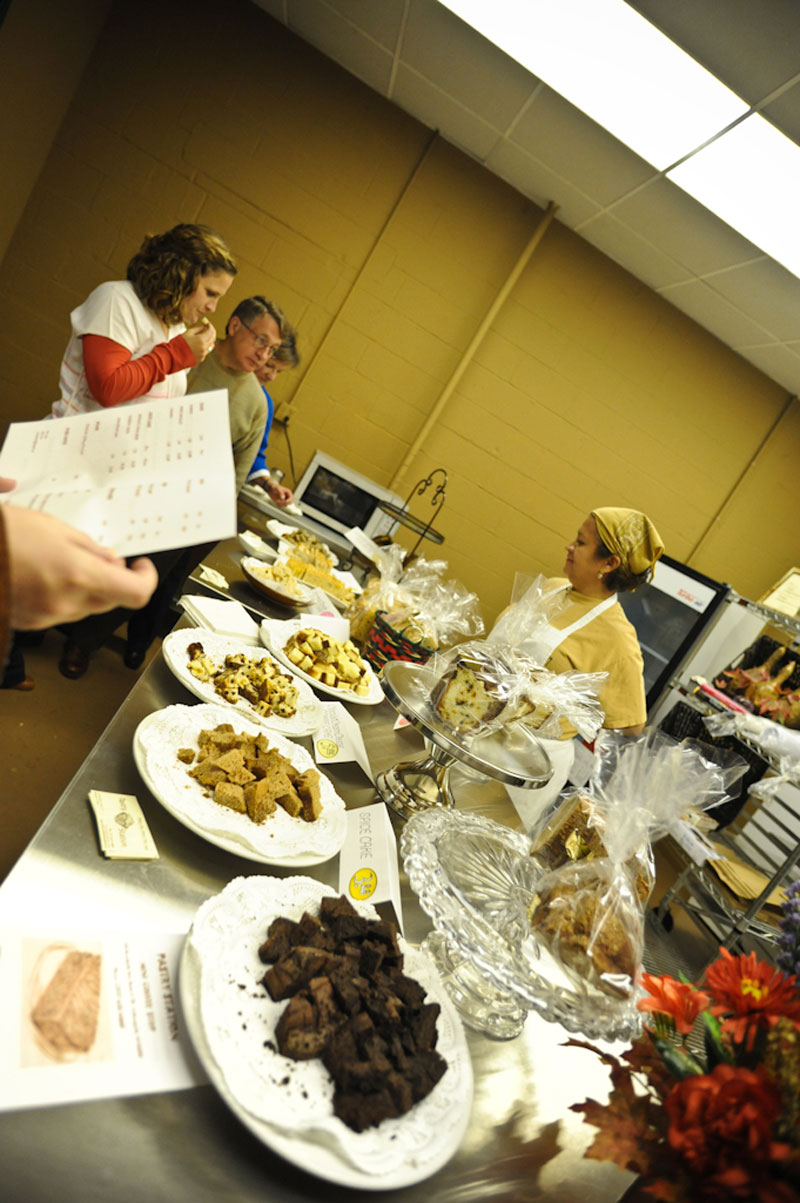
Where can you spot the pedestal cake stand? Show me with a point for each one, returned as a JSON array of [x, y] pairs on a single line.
[[413, 786]]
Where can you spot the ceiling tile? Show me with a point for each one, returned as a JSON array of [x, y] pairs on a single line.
[[684, 229], [539, 183], [554, 131], [784, 112], [319, 24], [463, 64], [778, 362], [383, 21], [632, 252], [707, 307], [439, 111], [750, 45], [769, 293]]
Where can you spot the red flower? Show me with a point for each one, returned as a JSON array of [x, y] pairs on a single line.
[[680, 1002], [721, 1125], [750, 992]]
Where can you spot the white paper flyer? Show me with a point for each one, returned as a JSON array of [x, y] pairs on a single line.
[[90, 1015]]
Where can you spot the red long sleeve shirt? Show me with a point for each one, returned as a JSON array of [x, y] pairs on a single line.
[[114, 377]]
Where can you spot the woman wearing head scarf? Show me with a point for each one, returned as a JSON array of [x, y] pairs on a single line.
[[614, 551]]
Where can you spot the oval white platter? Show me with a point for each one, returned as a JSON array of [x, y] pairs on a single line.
[[287, 1104], [275, 634], [175, 647], [281, 839]]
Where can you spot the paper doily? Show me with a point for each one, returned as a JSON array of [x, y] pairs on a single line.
[[295, 1097], [158, 739]]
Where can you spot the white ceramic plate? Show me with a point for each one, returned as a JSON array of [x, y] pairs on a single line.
[[275, 634], [253, 569], [254, 545], [287, 1104], [175, 648], [281, 839]]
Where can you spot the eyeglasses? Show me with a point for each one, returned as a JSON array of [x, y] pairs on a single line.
[[261, 341]]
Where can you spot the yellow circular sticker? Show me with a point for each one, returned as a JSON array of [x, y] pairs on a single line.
[[327, 747], [363, 883]]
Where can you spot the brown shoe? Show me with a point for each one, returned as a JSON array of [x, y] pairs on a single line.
[[74, 661], [25, 686]]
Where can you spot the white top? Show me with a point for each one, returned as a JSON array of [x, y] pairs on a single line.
[[113, 311], [549, 638]]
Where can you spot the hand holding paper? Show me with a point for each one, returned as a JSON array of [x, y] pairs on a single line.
[[143, 477], [59, 574]]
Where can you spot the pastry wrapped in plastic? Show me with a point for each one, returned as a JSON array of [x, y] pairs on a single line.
[[431, 614], [589, 912], [382, 591], [590, 919], [484, 685], [574, 832], [478, 689]]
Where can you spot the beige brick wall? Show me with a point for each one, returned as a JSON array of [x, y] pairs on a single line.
[[387, 247]]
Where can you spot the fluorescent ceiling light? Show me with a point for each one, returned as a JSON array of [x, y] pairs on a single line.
[[749, 178], [615, 66]]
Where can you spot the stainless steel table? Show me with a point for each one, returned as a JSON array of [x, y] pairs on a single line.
[[185, 1145]]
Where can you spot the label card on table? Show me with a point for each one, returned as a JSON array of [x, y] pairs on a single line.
[[368, 869], [339, 738], [90, 1016], [121, 827], [137, 478]]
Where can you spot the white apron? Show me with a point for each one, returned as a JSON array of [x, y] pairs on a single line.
[[531, 804]]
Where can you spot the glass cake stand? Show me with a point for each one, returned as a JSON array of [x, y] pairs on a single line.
[[476, 878], [508, 755]]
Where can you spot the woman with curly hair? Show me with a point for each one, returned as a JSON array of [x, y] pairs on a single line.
[[136, 339]]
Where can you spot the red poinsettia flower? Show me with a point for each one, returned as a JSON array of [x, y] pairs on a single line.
[[721, 1126], [750, 993], [680, 1002]]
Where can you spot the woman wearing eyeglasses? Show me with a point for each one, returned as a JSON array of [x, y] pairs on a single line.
[[136, 339], [253, 334]]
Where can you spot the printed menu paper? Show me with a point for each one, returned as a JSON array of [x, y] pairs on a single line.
[[90, 1016], [137, 478]]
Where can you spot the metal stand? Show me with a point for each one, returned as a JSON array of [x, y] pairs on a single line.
[[423, 529], [508, 755]]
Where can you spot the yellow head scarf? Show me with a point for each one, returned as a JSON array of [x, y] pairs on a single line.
[[630, 535]]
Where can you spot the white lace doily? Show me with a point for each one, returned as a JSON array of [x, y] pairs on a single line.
[[175, 645], [295, 1097], [280, 839]]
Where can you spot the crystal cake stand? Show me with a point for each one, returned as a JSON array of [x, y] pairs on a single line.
[[475, 879], [413, 786]]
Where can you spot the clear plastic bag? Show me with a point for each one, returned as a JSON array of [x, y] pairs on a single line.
[[534, 604], [485, 684], [589, 918], [434, 612], [589, 912]]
